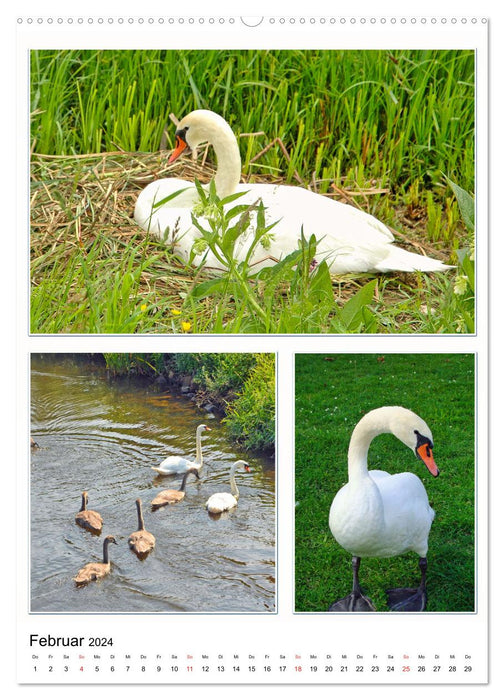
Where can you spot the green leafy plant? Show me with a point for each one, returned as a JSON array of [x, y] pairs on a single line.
[[465, 287], [294, 294], [251, 418]]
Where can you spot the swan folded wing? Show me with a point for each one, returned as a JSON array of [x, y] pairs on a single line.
[[349, 240], [89, 519], [356, 518], [167, 496], [142, 542], [168, 193], [91, 572], [220, 502], [352, 240], [408, 515], [174, 462]]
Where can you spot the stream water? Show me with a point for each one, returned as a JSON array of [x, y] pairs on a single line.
[[103, 435]]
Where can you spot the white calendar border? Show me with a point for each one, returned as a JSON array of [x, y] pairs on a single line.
[[283, 346]]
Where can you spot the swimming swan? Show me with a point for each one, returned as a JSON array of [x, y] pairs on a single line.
[[168, 496], [377, 514], [179, 465], [96, 570], [141, 541], [89, 519], [350, 240], [219, 502]]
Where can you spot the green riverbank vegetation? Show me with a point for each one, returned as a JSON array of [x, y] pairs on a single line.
[[240, 385]]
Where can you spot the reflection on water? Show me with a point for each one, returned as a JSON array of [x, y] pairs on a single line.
[[103, 436]]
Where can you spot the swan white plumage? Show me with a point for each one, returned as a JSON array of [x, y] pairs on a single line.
[[377, 514], [350, 240], [219, 502], [179, 465]]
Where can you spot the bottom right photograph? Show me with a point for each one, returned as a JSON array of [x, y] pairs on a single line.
[[385, 478]]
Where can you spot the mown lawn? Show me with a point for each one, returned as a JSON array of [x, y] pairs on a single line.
[[332, 393]]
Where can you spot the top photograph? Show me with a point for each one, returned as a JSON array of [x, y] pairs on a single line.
[[252, 191]]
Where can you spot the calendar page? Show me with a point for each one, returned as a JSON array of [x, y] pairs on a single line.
[[252, 349]]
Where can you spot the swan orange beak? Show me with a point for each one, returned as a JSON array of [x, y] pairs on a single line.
[[425, 454], [180, 147]]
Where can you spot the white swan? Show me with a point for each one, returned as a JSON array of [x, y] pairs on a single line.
[[180, 465], [350, 240], [219, 502], [377, 514]]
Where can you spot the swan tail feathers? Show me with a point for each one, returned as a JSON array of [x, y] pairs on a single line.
[[404, 261]]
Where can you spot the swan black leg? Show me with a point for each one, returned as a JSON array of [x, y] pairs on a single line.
[[410, 599], [356, 601]]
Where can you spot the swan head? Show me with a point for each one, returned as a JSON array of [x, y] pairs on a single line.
[[423, 451], [416, 434], [401, 422], [201, 428], [110, 539], [241, 463], [197, 127]]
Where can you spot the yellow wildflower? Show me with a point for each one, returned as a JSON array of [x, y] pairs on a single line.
[[186, 326]]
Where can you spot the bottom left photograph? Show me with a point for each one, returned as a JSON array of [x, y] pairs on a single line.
[[152, 483]]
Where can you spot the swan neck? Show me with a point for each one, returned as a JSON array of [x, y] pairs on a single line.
[[364, 433], [84, 501], [232, 481], [199, 454], [184, 479], [105, 551], [227, 153], [141, 524]]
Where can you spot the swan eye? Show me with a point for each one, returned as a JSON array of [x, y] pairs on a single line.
[[181, 133], [423, 441]]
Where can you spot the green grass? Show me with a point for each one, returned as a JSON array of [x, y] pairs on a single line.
[[332, 393], [387, 131]]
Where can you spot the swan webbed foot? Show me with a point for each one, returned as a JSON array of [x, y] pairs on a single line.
[[407, 599], [354, 602], [410, 599]]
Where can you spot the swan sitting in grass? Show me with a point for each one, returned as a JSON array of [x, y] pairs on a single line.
[[350, 240]]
